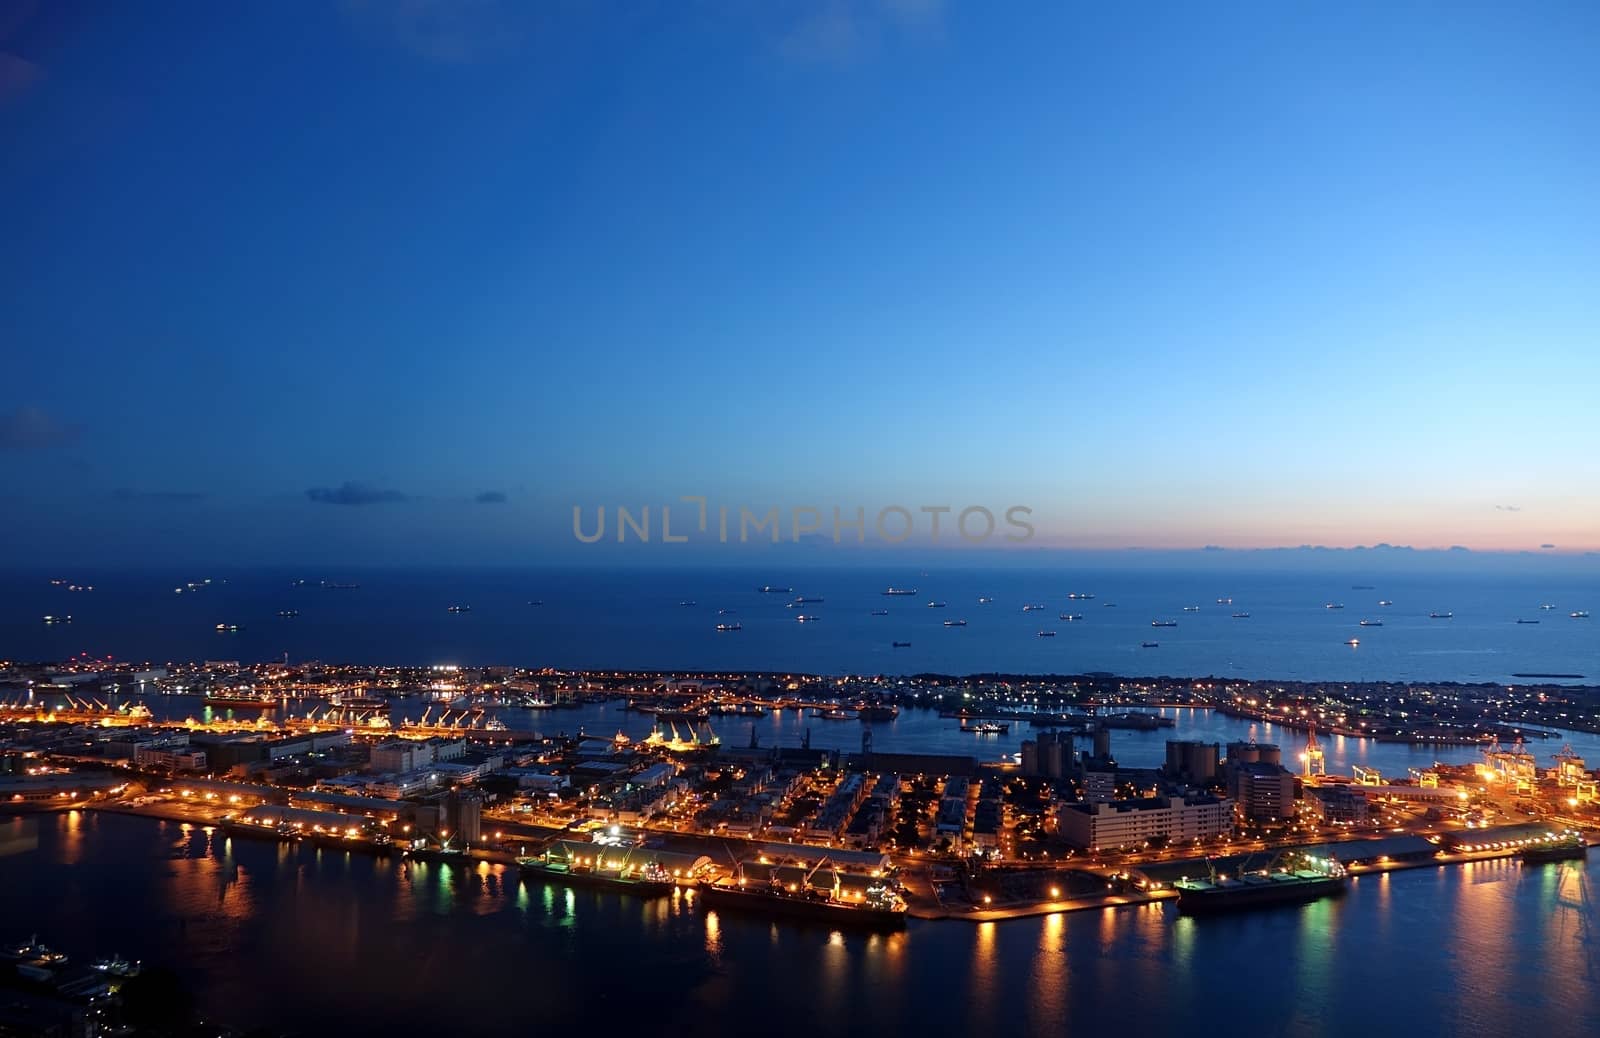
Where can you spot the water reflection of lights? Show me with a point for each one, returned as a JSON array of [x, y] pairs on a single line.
[[714, 937]]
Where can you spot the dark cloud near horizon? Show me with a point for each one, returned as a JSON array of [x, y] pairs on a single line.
[[1547, 547], [162, 496], [491, 497], [353, 493], [31, 428]]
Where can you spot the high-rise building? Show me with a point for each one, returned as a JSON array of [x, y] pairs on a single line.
[[1263, 791]]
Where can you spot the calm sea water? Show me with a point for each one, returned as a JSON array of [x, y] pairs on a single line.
[[326, 942], [635, 620]]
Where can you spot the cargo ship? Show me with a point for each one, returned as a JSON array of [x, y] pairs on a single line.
[[879, 711], [258, 701], [1372, 623], [1032, 607], [1294, 879], [880, 612], [730, 627], [649, 881], [880, 907], [955, 623], [1047, 634], [1163, 623], [1070, 617], [769, 589], [906, 591], [1568, 846], [1441, 616]]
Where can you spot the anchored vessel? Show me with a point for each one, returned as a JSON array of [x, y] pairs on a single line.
[[1293, 878], [879, 907], [1566, 846]]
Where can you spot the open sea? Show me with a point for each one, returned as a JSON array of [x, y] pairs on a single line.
[[667, 619]]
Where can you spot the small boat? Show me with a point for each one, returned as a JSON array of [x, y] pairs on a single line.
[[1163, 623], [987, 728], [1372, 623], [1440, 616], [1031, 607], [1108, 605], [955, 623], [1334, 605], [1149, 645], [459, 609], [1077, 595], [730, 627], [1241, 616], [228, 628], [985, 600], [936, 605], [116, 966], [1047, 634], [1353, 642], [1547, 605], [838, 715], [1224, 601], [1191, 609], [1071, 617], [807, 619], [1581, 614], [725, 612], [880, 612], [58, 619], [1385, 602], [900, 645]]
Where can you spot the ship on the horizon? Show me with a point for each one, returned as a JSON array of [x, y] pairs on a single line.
[[1353, 642], [1163, 623], [1520, 621], [1191, 609], [1079, 595], [803, 599], [1224, 601], [288, 614], [900, 645], [900, 591], [459, 609], [1371, 623], [880, 612], [936, 605], [1241, 616], [955, 623], [1334, 605], [769, 589], [229, 628], [57, 619], [1149, 645], [1441, 616], [1581, 614], [1031, 607], [730, 627], [1385, 602], [805, 619], [1071, 617], [1047, 634]]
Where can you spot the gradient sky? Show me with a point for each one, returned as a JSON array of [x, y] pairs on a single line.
[[282, 281]]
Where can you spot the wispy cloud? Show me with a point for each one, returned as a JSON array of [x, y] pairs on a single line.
[[159, 496], [491, 497], [29, 428], [353, 493], [447, 31], [839, 30], [1547, 547]]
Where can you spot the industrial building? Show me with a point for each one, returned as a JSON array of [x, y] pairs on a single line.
[[1130, 823]]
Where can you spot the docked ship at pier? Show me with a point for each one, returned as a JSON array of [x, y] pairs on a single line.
[[794, 896], [1294, 877]]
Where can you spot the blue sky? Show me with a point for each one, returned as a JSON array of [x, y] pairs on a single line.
[[288, 281]]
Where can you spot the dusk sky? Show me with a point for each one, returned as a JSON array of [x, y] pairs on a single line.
[[409, 280]]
